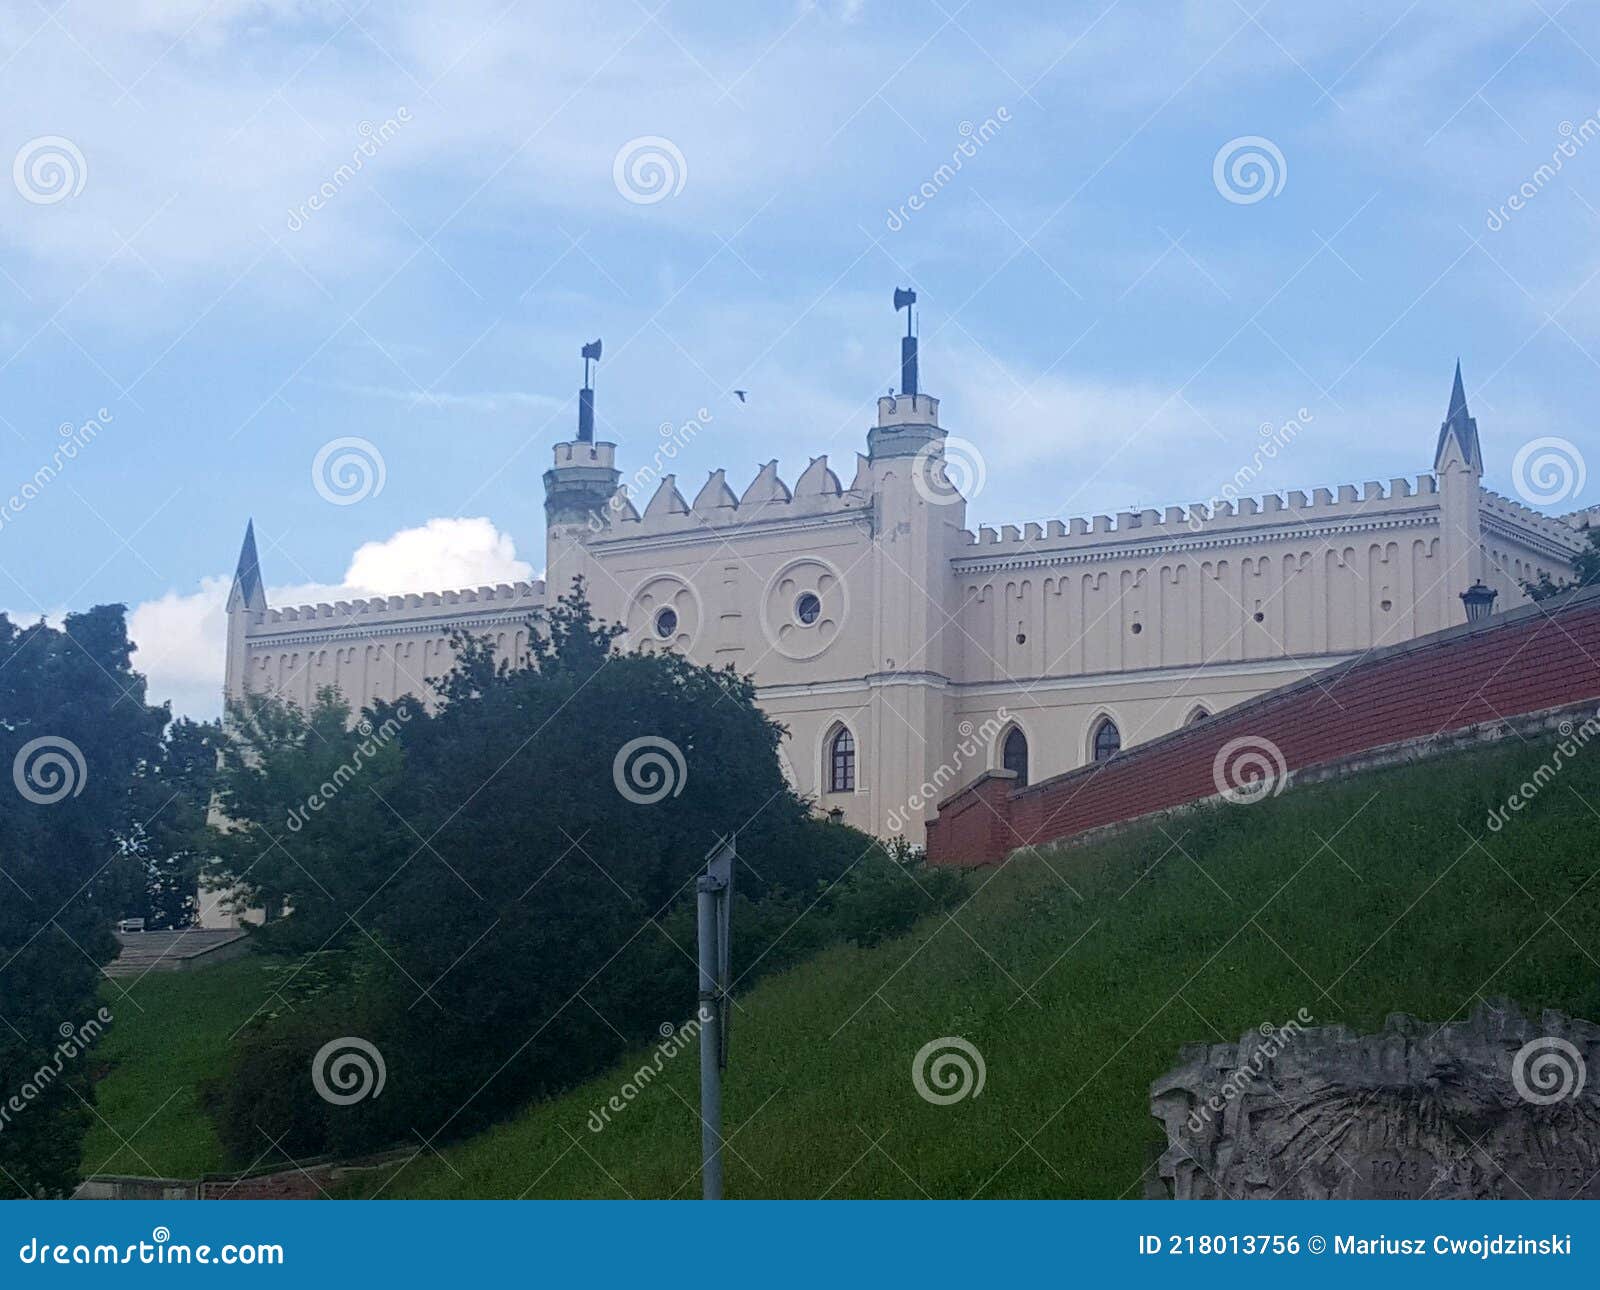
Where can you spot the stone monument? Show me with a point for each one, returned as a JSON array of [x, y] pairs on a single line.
[[1493, 1107]]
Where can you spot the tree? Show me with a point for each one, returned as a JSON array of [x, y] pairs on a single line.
[[74, 732], [166, 845], [502, 888], [1585, 568]]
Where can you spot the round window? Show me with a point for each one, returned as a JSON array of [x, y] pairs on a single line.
[[666, 623], [808, 608]]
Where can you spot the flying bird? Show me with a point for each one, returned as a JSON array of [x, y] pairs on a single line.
[[739, 394]]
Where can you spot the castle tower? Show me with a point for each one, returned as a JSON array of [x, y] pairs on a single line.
[[247, 601], [918, 515], [1458, 462], [577, 491]]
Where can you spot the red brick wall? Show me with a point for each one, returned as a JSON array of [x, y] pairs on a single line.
[[290, 1184], [1538, 657]]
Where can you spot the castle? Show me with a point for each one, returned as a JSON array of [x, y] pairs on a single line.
[[907, 654]]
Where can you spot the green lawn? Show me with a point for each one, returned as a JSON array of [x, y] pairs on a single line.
[[1078, 974], [170, 1034]]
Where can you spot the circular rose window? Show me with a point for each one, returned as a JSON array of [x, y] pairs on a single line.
[[803, 608]]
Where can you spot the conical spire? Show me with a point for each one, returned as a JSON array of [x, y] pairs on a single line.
[[1458, 397], [1459, 429], [247, 590]]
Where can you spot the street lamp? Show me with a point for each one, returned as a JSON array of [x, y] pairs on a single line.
[[1479, 601]]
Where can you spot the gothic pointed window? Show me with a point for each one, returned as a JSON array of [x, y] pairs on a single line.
[[842, 762], [1014, 754], [1107, 740]]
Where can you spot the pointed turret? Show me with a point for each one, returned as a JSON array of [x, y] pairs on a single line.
[[1458, 436], [1458, 397], [247, 592], [1458, 462], [247, 607]]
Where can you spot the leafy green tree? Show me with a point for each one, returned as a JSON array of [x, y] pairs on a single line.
[[74, 733], [1585, 570], [504, 884], [166, 846]]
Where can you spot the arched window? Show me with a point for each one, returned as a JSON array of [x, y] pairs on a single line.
[[842, 762], [1014, 754], [1196, 717], [1107, 740]]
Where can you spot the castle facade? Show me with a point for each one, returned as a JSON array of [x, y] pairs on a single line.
[[905, 653]]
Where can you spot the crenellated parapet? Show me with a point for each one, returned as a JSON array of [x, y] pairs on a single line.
[[818, 494], [398, 615], [1555, 536], [1245, 520]]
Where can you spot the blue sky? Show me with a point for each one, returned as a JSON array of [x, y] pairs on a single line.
[[1103, 322]]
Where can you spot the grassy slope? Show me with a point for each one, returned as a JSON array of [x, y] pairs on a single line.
[[171, 1033], [1079, 973]]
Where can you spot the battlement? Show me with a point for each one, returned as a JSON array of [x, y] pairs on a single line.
[[908, 410], [767, 499], [1371, 499], [1558, 529], [578, 453], [433, 604]]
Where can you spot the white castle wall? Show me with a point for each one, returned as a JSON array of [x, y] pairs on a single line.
[[384, 647], [931, 639]]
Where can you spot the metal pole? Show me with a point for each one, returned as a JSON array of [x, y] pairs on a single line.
[[707, 891]]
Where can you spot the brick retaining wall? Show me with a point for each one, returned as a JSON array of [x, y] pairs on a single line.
[[1534, 658]]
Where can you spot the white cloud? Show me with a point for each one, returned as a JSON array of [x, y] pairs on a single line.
[[180, 641], [181, 636], [442, 554]]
